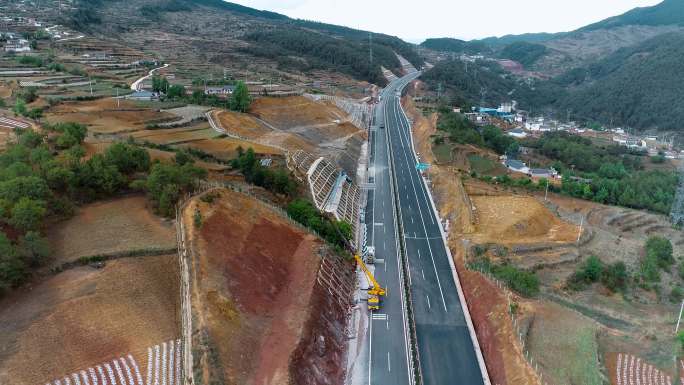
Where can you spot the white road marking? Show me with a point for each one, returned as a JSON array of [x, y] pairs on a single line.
[[428, 301], [389, 365], [423, 273], [420, 211]]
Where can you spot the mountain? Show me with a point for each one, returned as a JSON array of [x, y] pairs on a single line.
[[446, 44], [669, 12], [229, 35], [567, 50], [638, 87], [527, 37]]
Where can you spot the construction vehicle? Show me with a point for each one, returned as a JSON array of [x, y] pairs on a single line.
[[376, 292]]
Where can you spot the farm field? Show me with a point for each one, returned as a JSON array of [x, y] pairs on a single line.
[[104, 117], [109, 227], [485, 166], [86, 316]]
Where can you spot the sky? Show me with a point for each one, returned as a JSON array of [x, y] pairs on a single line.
[[417, 20]]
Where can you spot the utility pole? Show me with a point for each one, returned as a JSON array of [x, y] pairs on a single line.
[[118, 101], [370, 47], [580, 229], [546, 194]]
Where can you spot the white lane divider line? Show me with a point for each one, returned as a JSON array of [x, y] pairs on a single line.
[[389, 364], [422, 273], [428, 301]]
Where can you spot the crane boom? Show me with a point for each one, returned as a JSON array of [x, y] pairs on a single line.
[[377, 289]]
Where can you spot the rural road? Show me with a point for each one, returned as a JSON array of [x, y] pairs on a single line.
[[448, 351], [137, 85]]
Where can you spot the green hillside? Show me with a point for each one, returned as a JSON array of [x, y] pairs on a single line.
[[446, 44], [638, 87], [466, 87], [669, 12], [523, 52]]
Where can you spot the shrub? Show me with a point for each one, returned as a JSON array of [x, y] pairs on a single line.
[[676, 294], [523, 282], [615, 277]]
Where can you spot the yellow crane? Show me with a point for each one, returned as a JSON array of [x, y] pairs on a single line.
[[376, 292]]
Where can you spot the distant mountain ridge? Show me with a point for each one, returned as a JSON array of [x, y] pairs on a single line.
[[669, 12]]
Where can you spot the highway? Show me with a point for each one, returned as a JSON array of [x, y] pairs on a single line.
[[446, 350]]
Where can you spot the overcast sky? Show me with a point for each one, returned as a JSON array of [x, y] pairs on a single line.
[[416, 20]]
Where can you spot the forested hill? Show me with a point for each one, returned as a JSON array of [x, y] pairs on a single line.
[[295, 45], [669, 12], [486, 82], [447, 44], [638, 87]]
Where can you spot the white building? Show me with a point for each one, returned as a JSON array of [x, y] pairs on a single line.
[[517, 133], [18, 45]]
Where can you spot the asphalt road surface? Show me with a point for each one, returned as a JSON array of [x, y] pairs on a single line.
[[445, 348]]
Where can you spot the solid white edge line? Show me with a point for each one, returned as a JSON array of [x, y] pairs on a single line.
[[392, 179], [420, 212], [454, 272]]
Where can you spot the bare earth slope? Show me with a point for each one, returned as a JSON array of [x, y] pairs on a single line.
[[255, 299]]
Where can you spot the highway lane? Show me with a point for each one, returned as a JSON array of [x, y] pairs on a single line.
[[388, 337], [445, 347]]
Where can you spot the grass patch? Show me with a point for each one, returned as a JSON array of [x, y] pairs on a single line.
[[442, 153], [485, 166]]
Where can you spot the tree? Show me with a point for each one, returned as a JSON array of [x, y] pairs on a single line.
[[20, 107], [159, 83], [240, 99], [97, 177], [128, 158], [615, 276], [28, 214], [175, 92], [661, 250], [167, 182], [31, 139], [31, 187], [34, 248], [12, 268]]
